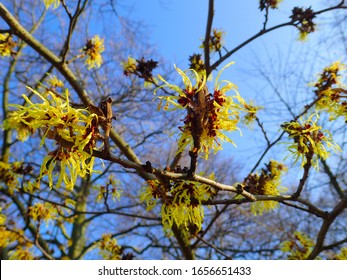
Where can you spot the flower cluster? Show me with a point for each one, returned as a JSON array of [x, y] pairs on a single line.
[[42, 212], [329, 77], [111, 188], [196, 63], [54, 82], [209, 116], [15, 239], [109, 249], [22, 253], [251, 114], [6, 45], [74, 131], [48, 3], [299, 248], [216, 40], [8, 177], [266, 4], [267, 183], [92, 51], [141, 68], [7, 236], [310, 141], [130, 66], [303, 20], [181, 203], [9, 174], [342, 255], [332, 98]]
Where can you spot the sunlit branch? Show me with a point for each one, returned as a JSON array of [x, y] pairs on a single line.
[[171, 175]]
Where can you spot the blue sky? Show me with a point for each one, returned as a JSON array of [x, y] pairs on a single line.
[[177, 27]]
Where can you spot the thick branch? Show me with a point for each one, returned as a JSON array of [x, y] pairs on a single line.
[[341, 206], [304, 178], [141, 169]]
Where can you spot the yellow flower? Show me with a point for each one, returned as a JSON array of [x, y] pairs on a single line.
[[273, 4], [181, 203], [331, 91], [216, 112], [310, 141], [42, 212], [8, 177], [111, 188], [2, 218], [48, 3], [303, 21], [6, 44], [72, 129], [109, 249], [185, 206], [6, 236], [267, 183], [73, 163], [150, 194], [330, 76], [93, 50], [14, 240], [299, 248], [216, 40], [141, 68], [21, 253], [55, 82], [197, 63], [303, 36], [129, 66], [251, 113], [342, 255]]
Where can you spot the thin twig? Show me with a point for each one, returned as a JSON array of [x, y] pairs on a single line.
[[263, 131], [215, 248], [333, 179], [266, 17]]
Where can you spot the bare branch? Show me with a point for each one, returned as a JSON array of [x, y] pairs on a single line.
[[208, 36]]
